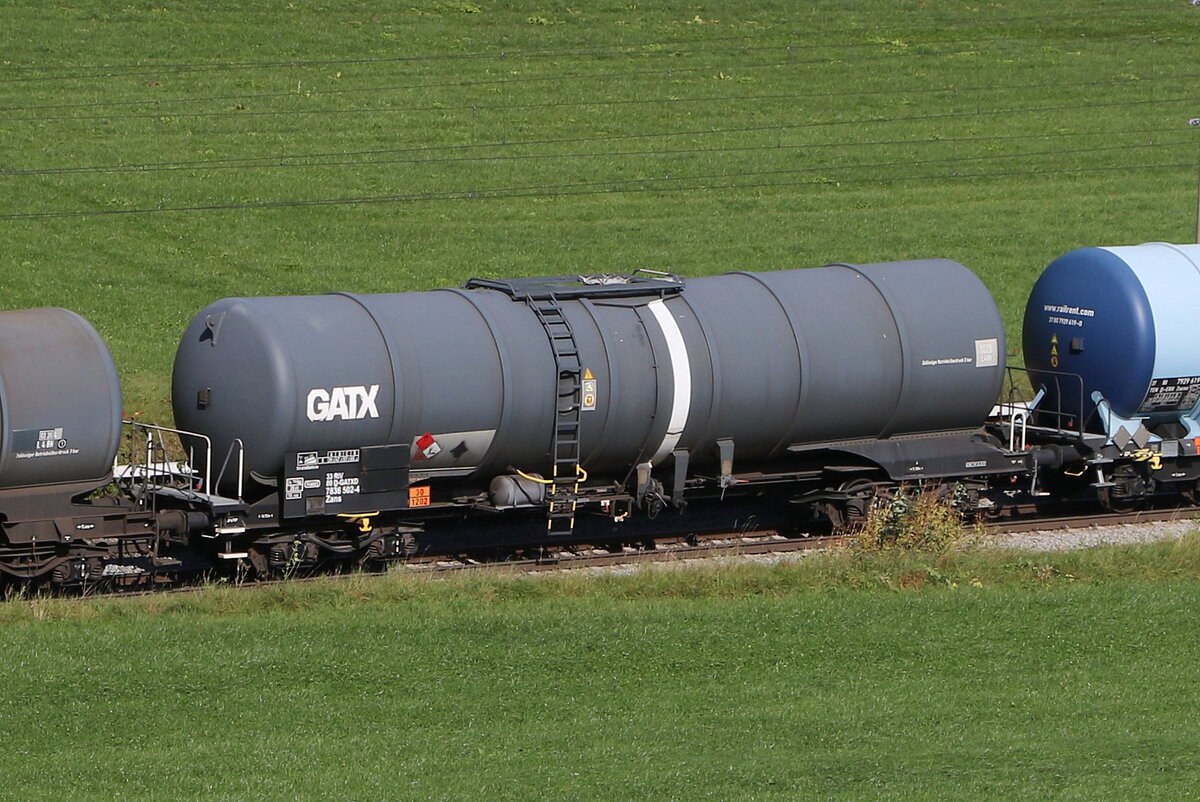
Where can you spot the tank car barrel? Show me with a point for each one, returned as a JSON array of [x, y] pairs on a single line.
[[471, 381], [60, 400]]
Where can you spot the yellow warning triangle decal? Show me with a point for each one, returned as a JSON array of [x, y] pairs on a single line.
[[1053, 351], [587, 374], [1054, 339]]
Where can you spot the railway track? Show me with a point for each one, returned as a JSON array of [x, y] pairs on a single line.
[[695, 547], [684, 549], [1044, 524], [769, 543]]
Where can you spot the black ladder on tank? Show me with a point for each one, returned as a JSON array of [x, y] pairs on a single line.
[[543, 294], [563, 488]]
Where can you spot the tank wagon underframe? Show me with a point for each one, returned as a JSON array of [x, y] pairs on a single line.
[[816, 480]]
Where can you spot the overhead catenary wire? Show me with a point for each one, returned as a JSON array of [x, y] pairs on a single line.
[[478, 106], [566, 190], [300, 161], [457, 83], [504, 144], [631, 185]]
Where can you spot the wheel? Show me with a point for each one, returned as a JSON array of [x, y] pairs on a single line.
[[1129, 491], [1113, 503], [850, 513], [1190, 491]]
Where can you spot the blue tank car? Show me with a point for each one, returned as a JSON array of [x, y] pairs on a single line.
[[1110, 337]]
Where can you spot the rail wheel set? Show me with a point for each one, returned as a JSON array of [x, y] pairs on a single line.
[[343, 429]]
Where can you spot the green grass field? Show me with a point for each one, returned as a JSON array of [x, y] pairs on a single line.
[[1005, 676], [157, 156]]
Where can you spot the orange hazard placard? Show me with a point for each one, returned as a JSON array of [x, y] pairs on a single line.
[[418, 496]]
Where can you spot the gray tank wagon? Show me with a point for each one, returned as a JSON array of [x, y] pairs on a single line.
[[609, 373], [60, 427], [60, 401]]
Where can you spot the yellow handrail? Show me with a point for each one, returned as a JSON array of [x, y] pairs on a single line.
[[581, 476]]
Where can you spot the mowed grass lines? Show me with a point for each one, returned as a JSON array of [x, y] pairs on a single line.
[[1005, 676], [159, 156]]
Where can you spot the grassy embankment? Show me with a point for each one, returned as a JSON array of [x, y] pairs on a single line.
[[1002, 676]]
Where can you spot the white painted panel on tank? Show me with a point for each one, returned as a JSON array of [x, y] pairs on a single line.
[[681, 378], [1170, 276]]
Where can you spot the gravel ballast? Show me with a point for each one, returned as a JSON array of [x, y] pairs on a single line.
[[1120, 534]]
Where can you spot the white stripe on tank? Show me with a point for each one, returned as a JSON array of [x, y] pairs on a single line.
[[681, 375]]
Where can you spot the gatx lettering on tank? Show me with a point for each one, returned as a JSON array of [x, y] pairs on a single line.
[[342, 403]]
